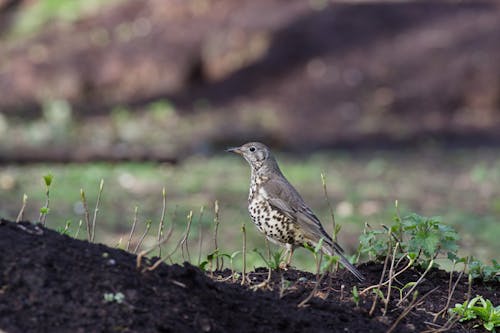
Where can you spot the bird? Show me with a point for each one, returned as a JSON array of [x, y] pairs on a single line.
[[278, 210]]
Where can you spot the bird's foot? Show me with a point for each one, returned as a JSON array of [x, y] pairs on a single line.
[[284, 266]]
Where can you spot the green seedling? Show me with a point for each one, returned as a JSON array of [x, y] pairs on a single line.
[[355, 295], [48, 178], [65, 230], [274, 261], [480, 310], [114, 297]]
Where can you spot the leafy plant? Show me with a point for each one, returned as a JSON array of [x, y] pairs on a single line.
[[481, 310], [426, 236], [478, 270], [213, 256], [420, 239]]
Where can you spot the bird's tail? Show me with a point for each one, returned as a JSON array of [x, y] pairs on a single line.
[[331, 248]]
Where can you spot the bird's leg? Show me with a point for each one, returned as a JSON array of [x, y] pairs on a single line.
[[288, 256]]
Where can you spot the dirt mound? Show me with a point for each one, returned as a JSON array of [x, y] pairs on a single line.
[[53, 283]]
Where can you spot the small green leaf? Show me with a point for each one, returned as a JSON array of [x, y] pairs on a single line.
[[318, 246], [48, 179]]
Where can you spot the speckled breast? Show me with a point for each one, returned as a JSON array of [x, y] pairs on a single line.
[[275, 225]]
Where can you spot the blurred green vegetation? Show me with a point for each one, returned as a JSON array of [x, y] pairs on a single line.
[[43, 12], [462, 186]]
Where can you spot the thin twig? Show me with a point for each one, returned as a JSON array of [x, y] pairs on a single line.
[[200, 231], [183, 239], [148, 226], [216, 230], [101, 186], [146, 252], [169, 233], [319, 279], [327, 199], [431, 263], [134, 223], [375, 297], [451, 291], [407, 310], [244, 271], [390, 278], [20, 216], [162, 219], [87, 215], [410, 263], [184, 243]]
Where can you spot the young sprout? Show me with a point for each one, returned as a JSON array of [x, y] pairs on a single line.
[[45, 209], [355, 295], [64, 230], [78, 229]]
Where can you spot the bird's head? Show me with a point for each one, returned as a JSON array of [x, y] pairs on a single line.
[[257, 155]]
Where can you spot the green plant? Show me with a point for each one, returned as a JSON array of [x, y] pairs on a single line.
[[478, 270], [481, 310], [48, 178], [420, 239], [355, 295], [214, 256], [114, 297], [274, 261], [65, 230]]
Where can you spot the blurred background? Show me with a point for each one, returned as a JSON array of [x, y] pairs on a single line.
[[391, 100]]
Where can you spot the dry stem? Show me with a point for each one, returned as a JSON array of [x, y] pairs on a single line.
[[162, 219], [134, 223], [20, 216]]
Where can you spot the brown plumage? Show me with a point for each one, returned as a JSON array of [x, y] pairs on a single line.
[[278, 210]]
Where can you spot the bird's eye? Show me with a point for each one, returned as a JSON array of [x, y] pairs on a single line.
[[252, 149]]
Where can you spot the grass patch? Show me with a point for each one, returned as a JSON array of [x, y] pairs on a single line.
[[361, 188]]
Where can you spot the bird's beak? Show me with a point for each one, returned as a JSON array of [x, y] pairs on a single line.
[[236, 150]]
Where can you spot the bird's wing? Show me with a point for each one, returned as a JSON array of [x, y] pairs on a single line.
[[282, 196]]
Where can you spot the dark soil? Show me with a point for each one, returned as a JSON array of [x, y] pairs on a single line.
[[54, 283]]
